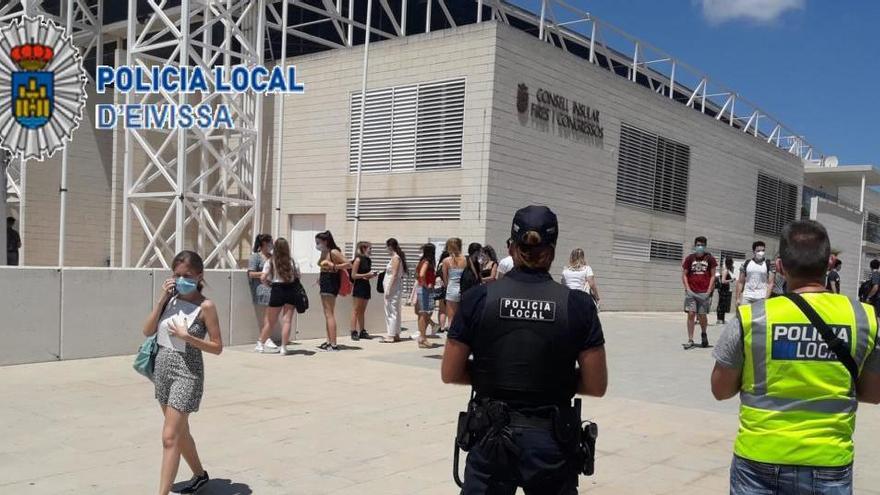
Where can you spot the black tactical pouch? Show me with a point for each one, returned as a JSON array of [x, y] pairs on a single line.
[[589, 432]]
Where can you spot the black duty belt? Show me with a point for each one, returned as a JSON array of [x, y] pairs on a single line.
[[520, 420]]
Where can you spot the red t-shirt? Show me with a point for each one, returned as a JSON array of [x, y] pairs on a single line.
[[699, 271]]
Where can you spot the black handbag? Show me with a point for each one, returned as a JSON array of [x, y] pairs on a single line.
[[301, 299], [380, 283]]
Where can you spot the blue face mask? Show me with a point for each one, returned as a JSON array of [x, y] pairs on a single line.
[[185, 286], [699, 249]]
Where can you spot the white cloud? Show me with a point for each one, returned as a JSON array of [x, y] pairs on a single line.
[[718, 11]]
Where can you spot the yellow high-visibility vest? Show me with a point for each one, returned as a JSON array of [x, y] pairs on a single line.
[[798, 402]]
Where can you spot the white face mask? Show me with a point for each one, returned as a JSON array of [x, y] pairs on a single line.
[[759, 255]]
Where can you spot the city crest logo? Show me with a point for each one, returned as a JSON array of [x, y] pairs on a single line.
[[42, 88], [522, 98]]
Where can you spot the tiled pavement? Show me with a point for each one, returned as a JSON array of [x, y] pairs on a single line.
[[374, 419]]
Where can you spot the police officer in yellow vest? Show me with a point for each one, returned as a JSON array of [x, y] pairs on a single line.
[[798, 397]]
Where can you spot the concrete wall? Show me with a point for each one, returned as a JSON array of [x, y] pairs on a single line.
[[51, 314], [88, 199], [530, 164], [844, 227], [316, 133]]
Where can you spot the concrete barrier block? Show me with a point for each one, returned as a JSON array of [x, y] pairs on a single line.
[[245, 316], [29, 315], [218, 288], [104, 310]]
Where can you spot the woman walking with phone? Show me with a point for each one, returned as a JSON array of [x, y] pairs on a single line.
[[182, 319], [282, 275], [331, 263], [361, 274]]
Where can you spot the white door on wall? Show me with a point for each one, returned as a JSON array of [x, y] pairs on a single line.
[[303, 229]]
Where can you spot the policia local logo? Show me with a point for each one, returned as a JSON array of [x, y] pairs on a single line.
[[800, 342], [42, 88]]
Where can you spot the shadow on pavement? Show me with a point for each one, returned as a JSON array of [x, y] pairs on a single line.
[[343, 347], [300, 352], [219, 487], [433, 356]]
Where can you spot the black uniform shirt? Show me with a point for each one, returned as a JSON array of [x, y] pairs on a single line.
[[583, 319]]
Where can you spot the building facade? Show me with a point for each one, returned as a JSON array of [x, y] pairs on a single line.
[[464, 126]]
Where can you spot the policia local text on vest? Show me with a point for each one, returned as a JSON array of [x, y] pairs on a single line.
[[800, 364], [534, 344]]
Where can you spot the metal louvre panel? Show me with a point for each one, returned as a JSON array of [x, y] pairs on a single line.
[[631, 248], [380, 259], [440, 126], [775, 204], [407, 208], [377, 132], [788, 204], [737, 255], [403, 133], [635, 167], [418, 126], [671, 176], [652, 171], [666, 251]]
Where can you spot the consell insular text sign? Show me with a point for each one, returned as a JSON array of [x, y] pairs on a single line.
[[566, 113]]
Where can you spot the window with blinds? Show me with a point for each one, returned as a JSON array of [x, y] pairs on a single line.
[[666, 251], [776, 204], [412, 127], [652, 171], [631, 248], [736, 255], [406, 208], [380, 259]]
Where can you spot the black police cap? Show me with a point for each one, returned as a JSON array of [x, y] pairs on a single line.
[[539, 219]]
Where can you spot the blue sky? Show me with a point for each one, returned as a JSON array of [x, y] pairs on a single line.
[[813, 64]]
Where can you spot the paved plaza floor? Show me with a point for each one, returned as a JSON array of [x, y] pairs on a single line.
[[373, 419]]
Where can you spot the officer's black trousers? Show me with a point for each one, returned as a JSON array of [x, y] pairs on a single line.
[[543, 468]]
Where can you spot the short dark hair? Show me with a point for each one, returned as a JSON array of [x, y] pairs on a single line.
[[10, 220], [804, 248], [758, 243], [875, 264], [699, 239], [837, 263], [260, 240]]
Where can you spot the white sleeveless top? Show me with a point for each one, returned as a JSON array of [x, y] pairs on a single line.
[[186, 313]]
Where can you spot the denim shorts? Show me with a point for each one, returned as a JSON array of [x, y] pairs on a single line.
[[426, 299], [757, 478]]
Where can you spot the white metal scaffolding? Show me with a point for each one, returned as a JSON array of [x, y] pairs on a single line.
[[202, 189], [191, 188]]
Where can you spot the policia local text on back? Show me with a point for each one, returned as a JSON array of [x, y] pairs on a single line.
[[535, 344]]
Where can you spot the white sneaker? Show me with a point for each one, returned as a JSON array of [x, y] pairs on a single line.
[[259, 347], [283, 350], [269, 344]]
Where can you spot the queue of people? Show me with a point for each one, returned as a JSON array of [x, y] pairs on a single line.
[[798, 377]]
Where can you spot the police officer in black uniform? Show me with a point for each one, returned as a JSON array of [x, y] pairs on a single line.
[[535, 344]]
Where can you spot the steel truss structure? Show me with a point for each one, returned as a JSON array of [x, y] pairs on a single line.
[[202, 189]]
